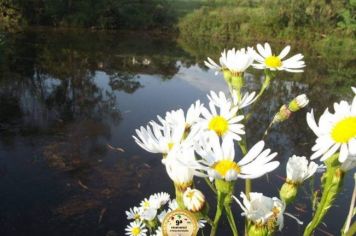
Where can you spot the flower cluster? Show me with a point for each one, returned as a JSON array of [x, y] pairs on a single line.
[[149, 214], [202, 143], [148, 217]]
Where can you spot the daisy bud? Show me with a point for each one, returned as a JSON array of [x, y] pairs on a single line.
[[288, 192], [298, 103], [283, 114], [194, 200]]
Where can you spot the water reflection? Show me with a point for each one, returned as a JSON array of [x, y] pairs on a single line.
[[69, 103]]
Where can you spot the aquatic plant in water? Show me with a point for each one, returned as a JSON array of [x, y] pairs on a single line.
[[201, 144]]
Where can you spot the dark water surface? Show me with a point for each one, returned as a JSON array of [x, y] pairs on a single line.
[[70, 101]]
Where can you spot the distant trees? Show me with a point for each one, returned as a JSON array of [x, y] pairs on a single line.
[[112, 14]]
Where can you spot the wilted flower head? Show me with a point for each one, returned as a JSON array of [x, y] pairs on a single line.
[[267, 60], [299, 169], [180, 174], [237, 61], [262, 210], [194, 200]]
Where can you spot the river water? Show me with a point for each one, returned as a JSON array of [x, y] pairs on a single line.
[[71, 100]]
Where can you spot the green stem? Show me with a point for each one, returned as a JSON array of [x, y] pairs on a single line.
[[349, 217], [210, 185], [179, 197], [332, 183], [218, 213], [352, 230], [265, 85], [230, 217]]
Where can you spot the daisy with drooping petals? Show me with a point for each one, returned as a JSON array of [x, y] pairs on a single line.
[[178, 119], [218, 160], [335, 131], [180, 174], [212, 65], [262, 210], [134, 213], [159, 138], [299, 169], [246, 100], [225, 123], [136, 229], [237, 61], [266, 60]]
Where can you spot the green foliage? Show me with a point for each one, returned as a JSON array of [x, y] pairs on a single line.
[[285, 19], [10, 17], [117, 14]]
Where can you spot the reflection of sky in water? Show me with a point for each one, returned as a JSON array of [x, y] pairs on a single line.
[[56, 142]]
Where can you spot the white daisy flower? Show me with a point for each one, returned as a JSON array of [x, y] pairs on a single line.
[[237, 61], [299, 169], [134, 213], [335, 131], [353, 89], [265, 59], [261, 209], [218, 160], [162, 198], [151, 202], [194, 200], [212, 65], [136, 229], [224, 123]]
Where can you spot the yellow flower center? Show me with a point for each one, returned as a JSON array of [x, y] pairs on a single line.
[[344, 130], [146, 204], [137, 216], [170, 146], [222, 167], [273, 61], [219, 124], [136, 231]]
